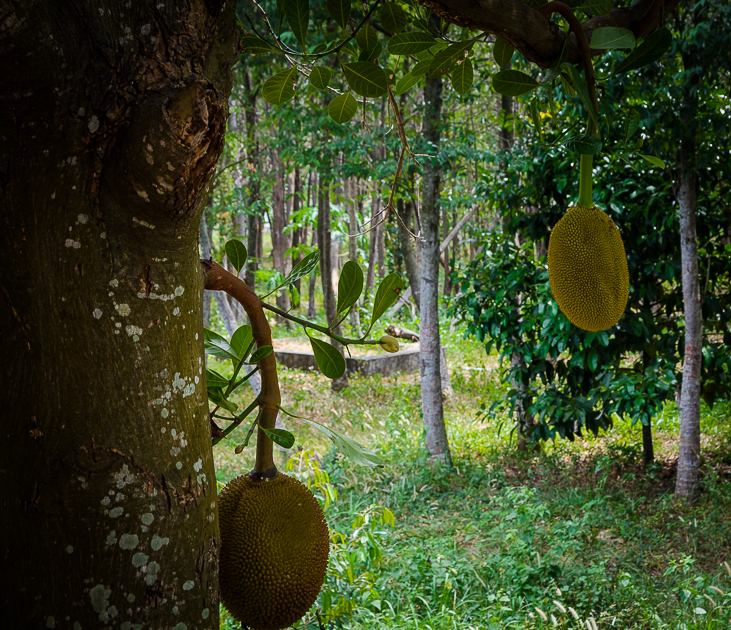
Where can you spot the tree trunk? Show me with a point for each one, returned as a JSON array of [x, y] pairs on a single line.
[[430, 359], [406, 243], [112, 121], [298, 233], [373, 241], [279, 241], [205, 252], [311, 313], [687, 482], [325, 241], [254, 187], [350, 194]]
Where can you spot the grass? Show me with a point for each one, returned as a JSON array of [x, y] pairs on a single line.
[[508, 540]]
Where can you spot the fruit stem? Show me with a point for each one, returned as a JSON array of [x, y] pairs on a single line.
[[218, 279], [586, 197], [584, 51]]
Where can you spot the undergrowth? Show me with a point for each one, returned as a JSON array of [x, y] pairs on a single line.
[[580, 535]]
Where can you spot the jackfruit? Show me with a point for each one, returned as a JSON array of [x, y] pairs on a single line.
[[587, 269], [274, 550]]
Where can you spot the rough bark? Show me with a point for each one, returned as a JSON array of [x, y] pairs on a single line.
[[687, 482], [430, 356], [111, 124], [531, 32]]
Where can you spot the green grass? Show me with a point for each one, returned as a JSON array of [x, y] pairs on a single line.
[[580, 525]]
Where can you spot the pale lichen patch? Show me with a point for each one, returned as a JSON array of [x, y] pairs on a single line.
[[198, 465], [97, 313], [129, 541], [138, 560], [72, 243], [158, 542]]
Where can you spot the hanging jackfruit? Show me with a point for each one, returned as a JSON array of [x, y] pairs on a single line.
[[274, 550], [587, 269]]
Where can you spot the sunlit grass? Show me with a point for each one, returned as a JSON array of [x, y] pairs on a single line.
[[581, 526]]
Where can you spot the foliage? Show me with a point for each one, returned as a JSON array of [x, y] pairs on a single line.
[[240, 350], [485, 545]]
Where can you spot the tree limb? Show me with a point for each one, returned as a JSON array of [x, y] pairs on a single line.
[[534, 35]]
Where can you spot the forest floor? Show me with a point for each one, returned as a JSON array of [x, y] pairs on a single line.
[[582, 530]]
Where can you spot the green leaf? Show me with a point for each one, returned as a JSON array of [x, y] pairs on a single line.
[[217, 346], [596, 7], [555, 68], [371, 54], [298, 16], [536, 116], [648, 51], [350, 286], [215, 395], [393, 17], [567, 87], [349, 447], [320, 77], [339, 10], [406, 82], [410, 43], [214, 379], [241, 340], [236, 253], [655, 161], [633, 123], [366, 37], [386, 295], [366, 78], [463, 76], [606, 37], [342, 108], [582, 90], [280, 88], [502, 52], [279, 436], [259, 354], [254, 45], [583, 145], [448, 58], [329, 359], [513, 83]]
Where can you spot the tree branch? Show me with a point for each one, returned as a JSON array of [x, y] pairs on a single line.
[[534, 35], [218, 279]]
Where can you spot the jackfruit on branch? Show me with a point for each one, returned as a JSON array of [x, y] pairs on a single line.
[[274, 550], [587, 269]]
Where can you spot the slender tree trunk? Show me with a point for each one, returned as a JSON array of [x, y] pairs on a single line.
[[205, 251], [430, 360], [325, 240], [687, 483], [406, 243], [278, 223], [350, 194], [299, 233], [373, 241], [254, 162], [311, 313], [112, 121]]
